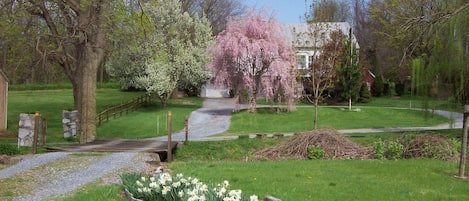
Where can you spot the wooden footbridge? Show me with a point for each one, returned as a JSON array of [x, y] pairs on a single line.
[[119, 145]]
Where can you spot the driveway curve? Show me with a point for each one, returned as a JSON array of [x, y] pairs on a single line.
[[213, 118]]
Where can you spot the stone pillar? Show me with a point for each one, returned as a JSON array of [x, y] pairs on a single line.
[[26, 130], [70, 123]]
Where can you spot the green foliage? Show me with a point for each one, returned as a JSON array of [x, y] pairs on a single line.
[[172, 52], [394, 150], [315, 152], [417, 145], [379, 149], [349, 72], [377, 89], [400, 87], [365, 94], [8, 149]]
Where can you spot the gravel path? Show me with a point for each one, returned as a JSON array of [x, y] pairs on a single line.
[[62, 173], [81, 177], [31, 162]]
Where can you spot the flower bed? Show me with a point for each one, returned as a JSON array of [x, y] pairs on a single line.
[[166, 187]]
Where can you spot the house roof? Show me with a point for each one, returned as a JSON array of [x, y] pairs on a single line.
[[312, 35], [3, 75]]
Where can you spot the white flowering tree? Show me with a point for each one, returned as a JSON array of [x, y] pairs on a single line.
[[172, 51]]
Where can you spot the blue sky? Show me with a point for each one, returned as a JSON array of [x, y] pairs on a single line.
[[284, 10]]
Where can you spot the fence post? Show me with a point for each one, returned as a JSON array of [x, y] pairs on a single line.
[[120, 109], [462, 160], [36, 132], [169, 155], [44, 131]]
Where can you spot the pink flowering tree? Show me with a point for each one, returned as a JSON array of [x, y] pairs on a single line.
[[253, 54]]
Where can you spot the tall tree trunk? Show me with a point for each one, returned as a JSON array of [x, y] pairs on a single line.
[[252, 102], [87, 97], [90, 54]]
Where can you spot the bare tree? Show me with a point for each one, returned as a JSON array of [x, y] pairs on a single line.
[[216, 11], [322, 71], [329, 11]]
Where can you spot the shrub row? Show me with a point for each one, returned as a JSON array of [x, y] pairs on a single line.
[[417, 146]]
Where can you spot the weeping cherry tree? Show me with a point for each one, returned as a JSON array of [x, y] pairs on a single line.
[[253, 54]]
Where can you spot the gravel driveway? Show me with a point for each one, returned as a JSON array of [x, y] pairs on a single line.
[[213, 118], [46, 176]]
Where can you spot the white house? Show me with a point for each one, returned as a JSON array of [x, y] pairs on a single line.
[[308, 39]]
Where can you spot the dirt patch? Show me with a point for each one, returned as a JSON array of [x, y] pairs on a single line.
[[335, 145]]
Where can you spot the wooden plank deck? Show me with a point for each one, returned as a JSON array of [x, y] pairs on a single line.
[[117, 145]]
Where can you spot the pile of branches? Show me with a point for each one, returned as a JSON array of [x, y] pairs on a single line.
[[433, 146], [334, 144]]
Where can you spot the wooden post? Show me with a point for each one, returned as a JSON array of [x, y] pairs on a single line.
[[462, 160], [170, 155], [44, 132], [114, 110], [186, 129], [121, 108], [36, 132]]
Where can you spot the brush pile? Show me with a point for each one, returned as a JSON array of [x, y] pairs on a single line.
[[334, 144], [434, 146]]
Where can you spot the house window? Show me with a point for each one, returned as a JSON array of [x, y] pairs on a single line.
[[301, 61]]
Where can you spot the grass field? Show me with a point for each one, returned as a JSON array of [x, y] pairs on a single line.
[[50, 104], [414, 179], [150, 121], [302, 119], [335, 179]]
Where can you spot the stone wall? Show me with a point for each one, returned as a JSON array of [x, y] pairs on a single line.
[[70, 123], [26, 130]]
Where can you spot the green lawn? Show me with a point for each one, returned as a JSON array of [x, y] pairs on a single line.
[[302, 119], [50, 104], [412, 102], [144, 122], [150, 121], [335, 179]]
